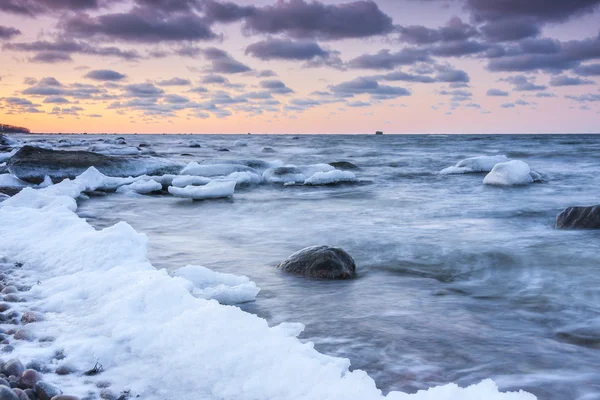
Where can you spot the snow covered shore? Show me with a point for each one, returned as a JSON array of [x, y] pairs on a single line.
[[103, 300]]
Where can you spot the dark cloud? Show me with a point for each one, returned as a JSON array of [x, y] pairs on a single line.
[[226, 11], [275, 86], [218, 79], [174, 82], [510, 29], [105, 75], [314, 20], [454, 30], [223, 63], [39, 90], [50, 57], [62, 49], [540, 10], [508, 105], [544, 94], [18, 101], [362, 85], [458, 48], [457, 95], [56, 100], [588, 70], [584, 98], [35, 7], [523, 84], [266, 73], [497, 92], [7, 32], [404, 77], [358, 104], [385, 59], [563, 80], [451, 75], [285, 49], [176, 99], [50, 81], [147, 90], [445, 74], [142, 25]]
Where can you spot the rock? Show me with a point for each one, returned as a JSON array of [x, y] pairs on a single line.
[[322, 262], [64, 369], [29, 378], [223, 149], [379, 133], [7, 394], [13, 367], [579, 218], [295, 138], [31, 394], [4, 307], [194, 144], [31, 316], [37, 366], [8, 349], [10, 191], [3, 382], [46, 391], [344, 165], [108, 394], [11, 298], [268, 150], [65, 397], [21, 395], [9, 290], [22, 334]]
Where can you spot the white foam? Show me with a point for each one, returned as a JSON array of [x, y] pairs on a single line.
[[330, 177], [225, 288], [104, 301], [141, 187], [244, 178], [510, 173], [475, 164], [212, 190]]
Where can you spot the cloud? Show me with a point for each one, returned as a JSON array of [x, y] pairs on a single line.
[[174, 82], [7, 32], [223, 63], [62, 49], [385, 59], [49, 81], [457, 95], [285, 49], [508, 105], [176, 99], [454, 30], [105, 75], [18, 101], [143, 90], [275, 86], [266, 73], [588, 70], [497, 93], [140, 25], [358, 104], [56, 100], [510, 29], [540, 10], [458, 48], [563, 80], [35, 7], [522, 83], [584, 98], [363, 85], [50, 57]]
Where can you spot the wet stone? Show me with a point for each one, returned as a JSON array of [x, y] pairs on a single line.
[[7, 394], [29, 378], [13, 367], [21, 395], [9, 290], [46, 391], [11, 298], [31, 316]]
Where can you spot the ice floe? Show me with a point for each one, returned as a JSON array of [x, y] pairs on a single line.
[[509, 173], [212, 190], [475, 164]]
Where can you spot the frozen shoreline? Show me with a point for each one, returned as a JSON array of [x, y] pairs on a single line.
[[105, 301]]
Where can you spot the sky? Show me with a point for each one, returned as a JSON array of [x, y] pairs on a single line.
[[301, 66]]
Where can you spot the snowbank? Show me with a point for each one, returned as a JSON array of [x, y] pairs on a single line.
[[331, 177], [510, 173], [104, 301], [225, 288], [212, 190], [475, 164]]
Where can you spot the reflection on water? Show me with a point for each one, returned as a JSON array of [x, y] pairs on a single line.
[[457, 281]]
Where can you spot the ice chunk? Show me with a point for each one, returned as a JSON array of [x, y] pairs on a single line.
[[244, 178], [6, 156], [141, 187], [186, 180], [225, 288], [115, 150], [210, 170], [286, 175], [475, 164], [241, 143], [331, 177], [7, 180], [212, 190], [510, 173]]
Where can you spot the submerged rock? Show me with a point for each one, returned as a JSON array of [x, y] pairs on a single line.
[[579, 218], [31, 164], [324, 262], [343, 165]]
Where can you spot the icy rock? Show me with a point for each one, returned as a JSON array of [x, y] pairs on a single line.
[[46, 391], [65, 397], [509, 173], [579, 218], [141, 187], [209, 170], [7, 180], [284, 175], [268, 150], [194, 144], [475, 164], [13, 367], [324, 262]]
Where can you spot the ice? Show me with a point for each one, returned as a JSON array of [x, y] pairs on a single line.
[[105, 302], [194, 143], [241, 143], [225, 288], [285, 175], [186, 180], [244, 178], [475, 164], [110, 150], [141, 187], [6, 156], [7, 180], [510, 173], [310, 170], [211, 170], [330, 177], [212, 190]]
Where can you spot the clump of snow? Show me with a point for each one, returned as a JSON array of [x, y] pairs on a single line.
[[104, 301], [210, 170], [212, 190], [141, 187], [330, 177], [475, 164], [186, 180], [510, 173], [225, 288]]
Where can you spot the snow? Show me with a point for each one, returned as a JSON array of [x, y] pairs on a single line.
[[330, 177], [186, 180], [212, 190], [7, 180], [475, 164], [211, 170], [272, 175], [6, 156], [244, 178], [225, 288], [152, 332], [510, 173], [141, 187]]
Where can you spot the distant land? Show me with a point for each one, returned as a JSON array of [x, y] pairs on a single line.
[[13, 129]]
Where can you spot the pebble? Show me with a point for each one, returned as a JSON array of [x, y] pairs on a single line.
[[65, 397], [22, 334], [13, 367], [37, 366], [21, 395], [8, 349], [3, 382], [108, 394], [29, 378], [64, 369], [7, 394], [11, 298], [31, 316], [46, 391]]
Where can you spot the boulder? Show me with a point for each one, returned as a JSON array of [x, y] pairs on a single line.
[[9, 191], [323, 262], [579, 218], [29, 378], [344, 165], [13, 367]]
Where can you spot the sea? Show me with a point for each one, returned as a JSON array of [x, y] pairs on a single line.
[[457, 281]]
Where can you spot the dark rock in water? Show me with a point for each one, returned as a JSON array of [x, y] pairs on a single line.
[[9, 290], [343, 165], [36, 365], [9, 191], [31, 164], [64, 370], [194, 145], [13, 367], [7, 394], [187, 154], [295, 138], [379, 133], [29, 378], [223, 149], [46, 391], [268, 150], [322, 262], [282, 171], [579, 218]]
